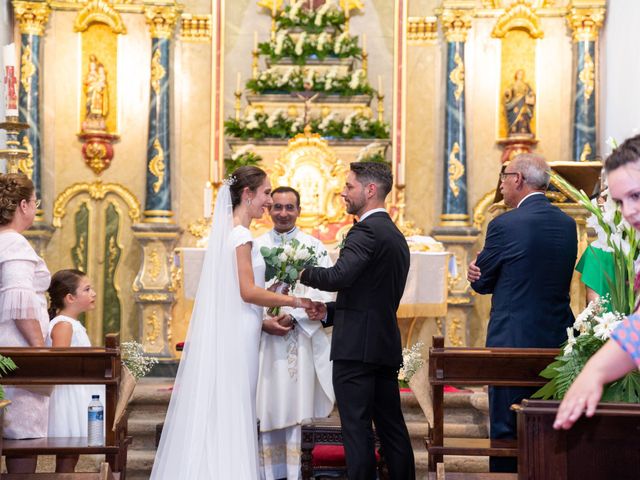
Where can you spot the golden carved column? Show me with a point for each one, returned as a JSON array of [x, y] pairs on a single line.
[[455, 230], [32, 18], [585, 25], [158, 234]]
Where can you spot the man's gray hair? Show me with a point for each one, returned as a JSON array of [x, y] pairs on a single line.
[[534, 169]]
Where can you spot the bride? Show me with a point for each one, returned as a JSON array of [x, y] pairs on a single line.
[[210, 430]]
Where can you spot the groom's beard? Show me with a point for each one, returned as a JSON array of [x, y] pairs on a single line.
[[354, 207]]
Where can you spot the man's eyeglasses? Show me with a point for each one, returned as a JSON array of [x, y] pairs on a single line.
[[289, 207], [504, 175]]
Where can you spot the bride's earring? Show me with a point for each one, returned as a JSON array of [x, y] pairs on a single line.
[[248, 202]]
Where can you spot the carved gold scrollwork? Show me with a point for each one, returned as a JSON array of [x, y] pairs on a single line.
[[32, 17], [99, 11], [586, 151], [588, 75], [457, 76], [154, 297], [521, 16], [162, 20], [456, 24], [585, 23], [97, 191], [155, 265], [454, 330], [156, 166], [480, 210], [456, 169], [27, 68], [157, 70], [25, 165], [153, 327]]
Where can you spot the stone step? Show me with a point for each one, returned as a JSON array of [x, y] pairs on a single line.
[[459, 463], [143, 432], [465, 430], [139, 464], [417, 432]]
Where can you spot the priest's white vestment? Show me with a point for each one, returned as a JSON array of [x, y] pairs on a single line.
[[294, 380]]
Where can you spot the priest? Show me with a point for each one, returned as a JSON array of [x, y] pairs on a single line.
[[294, 382]]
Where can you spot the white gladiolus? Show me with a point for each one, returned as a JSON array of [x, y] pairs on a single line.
[[242, 151], [571, 341], [252, 125], [354, 82], [325, 121], [337, 46], [280, 38], [300, 43], [607, 323], [322, 41]]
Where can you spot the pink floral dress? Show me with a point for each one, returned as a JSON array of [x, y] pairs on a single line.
[[24, 279]]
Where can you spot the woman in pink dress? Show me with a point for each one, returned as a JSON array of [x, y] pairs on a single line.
[[24, 279]]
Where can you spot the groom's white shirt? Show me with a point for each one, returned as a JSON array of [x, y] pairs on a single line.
[[294, 381]]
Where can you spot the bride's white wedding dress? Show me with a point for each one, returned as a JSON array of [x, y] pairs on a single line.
[[210, 430]]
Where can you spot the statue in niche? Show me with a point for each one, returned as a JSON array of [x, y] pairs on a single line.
[[519, 102], [97, 96]]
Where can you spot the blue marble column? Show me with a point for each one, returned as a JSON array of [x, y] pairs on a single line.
[[158, 192], [454, 196], [584, 120]]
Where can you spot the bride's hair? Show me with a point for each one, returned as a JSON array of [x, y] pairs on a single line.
[[249, 176], [627, 153]]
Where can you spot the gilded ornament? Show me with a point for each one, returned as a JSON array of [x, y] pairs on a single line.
[[520, 16], [456, 169], [271, 5], [154, 297], [588, 75], [195, 28], [199, 228], [454, 330], [32, 17], [153, 327], [586, 152], [96, 154], [585, 23], [97, 191], [113, 257], [156, 166], [348, 5], [155, 265], [456, 24], [78, 253], [27, 69], [157, 70], [99, 11], [25, 164], [457, 76], [480, 210], [422, 30], [162, 20]]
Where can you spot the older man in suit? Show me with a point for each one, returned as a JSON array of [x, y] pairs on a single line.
[[527, 263], [366, 350]]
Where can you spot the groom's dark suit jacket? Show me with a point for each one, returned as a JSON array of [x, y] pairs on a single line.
[[527, 263], [369, 276]]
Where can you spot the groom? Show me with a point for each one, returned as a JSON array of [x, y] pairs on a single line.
[[366, 350]]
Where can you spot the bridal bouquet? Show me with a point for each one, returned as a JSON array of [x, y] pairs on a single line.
[[411, 363], [596, 323], [284, 264]]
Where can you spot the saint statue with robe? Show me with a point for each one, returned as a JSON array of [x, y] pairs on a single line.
[[519, 102]]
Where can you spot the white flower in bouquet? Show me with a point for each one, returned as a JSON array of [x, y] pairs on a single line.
[[322, 12], [243, 151], [135, 360], [607, 323], [321, 41], [324, 124], [337, 45], [300, 43], [309, 79], [295, 10], [571, 341], [411, 362], [274, 117], [280, 38], [369, 150], [356, 77], [297, 124]]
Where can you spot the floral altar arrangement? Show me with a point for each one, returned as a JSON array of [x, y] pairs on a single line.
[[411, 362], [135, 365], [6, 365], [284, 264], [242, 157], [596, 323]]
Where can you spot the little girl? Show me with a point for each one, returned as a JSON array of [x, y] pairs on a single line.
[[70, 295]]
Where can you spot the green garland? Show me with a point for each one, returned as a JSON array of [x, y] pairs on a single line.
[[308, 20], [310, 48], [272, 80]]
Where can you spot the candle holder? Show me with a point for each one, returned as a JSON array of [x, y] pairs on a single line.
[[365, 62], [380, 97], [254, 63], [13, 153], [238, 104]]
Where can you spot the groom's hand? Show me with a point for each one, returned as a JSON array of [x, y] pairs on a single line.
[[277, 325], [317, 312]]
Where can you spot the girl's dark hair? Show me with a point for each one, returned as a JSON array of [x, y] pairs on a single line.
[[63, 282], [627, 152], [14, 187], [248, 176]]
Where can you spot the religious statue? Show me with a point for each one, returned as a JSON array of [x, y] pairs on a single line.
[[97, 96], [11, 90], [519, 101]]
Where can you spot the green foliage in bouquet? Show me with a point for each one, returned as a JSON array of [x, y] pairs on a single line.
[[135, 360], [285, 262], [374, 152], [244, 157], [595, 324], [6, 365], [312, 21], [295, 80], [304, 47]]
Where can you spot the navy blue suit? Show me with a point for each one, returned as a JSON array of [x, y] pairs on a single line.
[[527, 263]]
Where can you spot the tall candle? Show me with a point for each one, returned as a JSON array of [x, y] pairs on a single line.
[[238, 82], [255, 41], [273, 8], [364, 42], [10, 80], [208, 200], [379, 84]]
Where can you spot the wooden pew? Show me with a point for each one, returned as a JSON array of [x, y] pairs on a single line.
[[507, 367], [72, 366]]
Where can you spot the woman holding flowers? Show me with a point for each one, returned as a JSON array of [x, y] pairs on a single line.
[[621, 354], [210, 429]]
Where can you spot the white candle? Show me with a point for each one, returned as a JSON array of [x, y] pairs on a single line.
[[10, 80], [364, 42], [273, 8], [208, 200], [238, 83], [255, 41], [379, 84]]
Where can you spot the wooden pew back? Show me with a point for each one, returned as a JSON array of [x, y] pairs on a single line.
[[513, 367]]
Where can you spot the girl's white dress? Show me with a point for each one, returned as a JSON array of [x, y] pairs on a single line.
[[68, 404]]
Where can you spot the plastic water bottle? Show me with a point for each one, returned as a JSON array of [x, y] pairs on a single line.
[[96, 422]]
